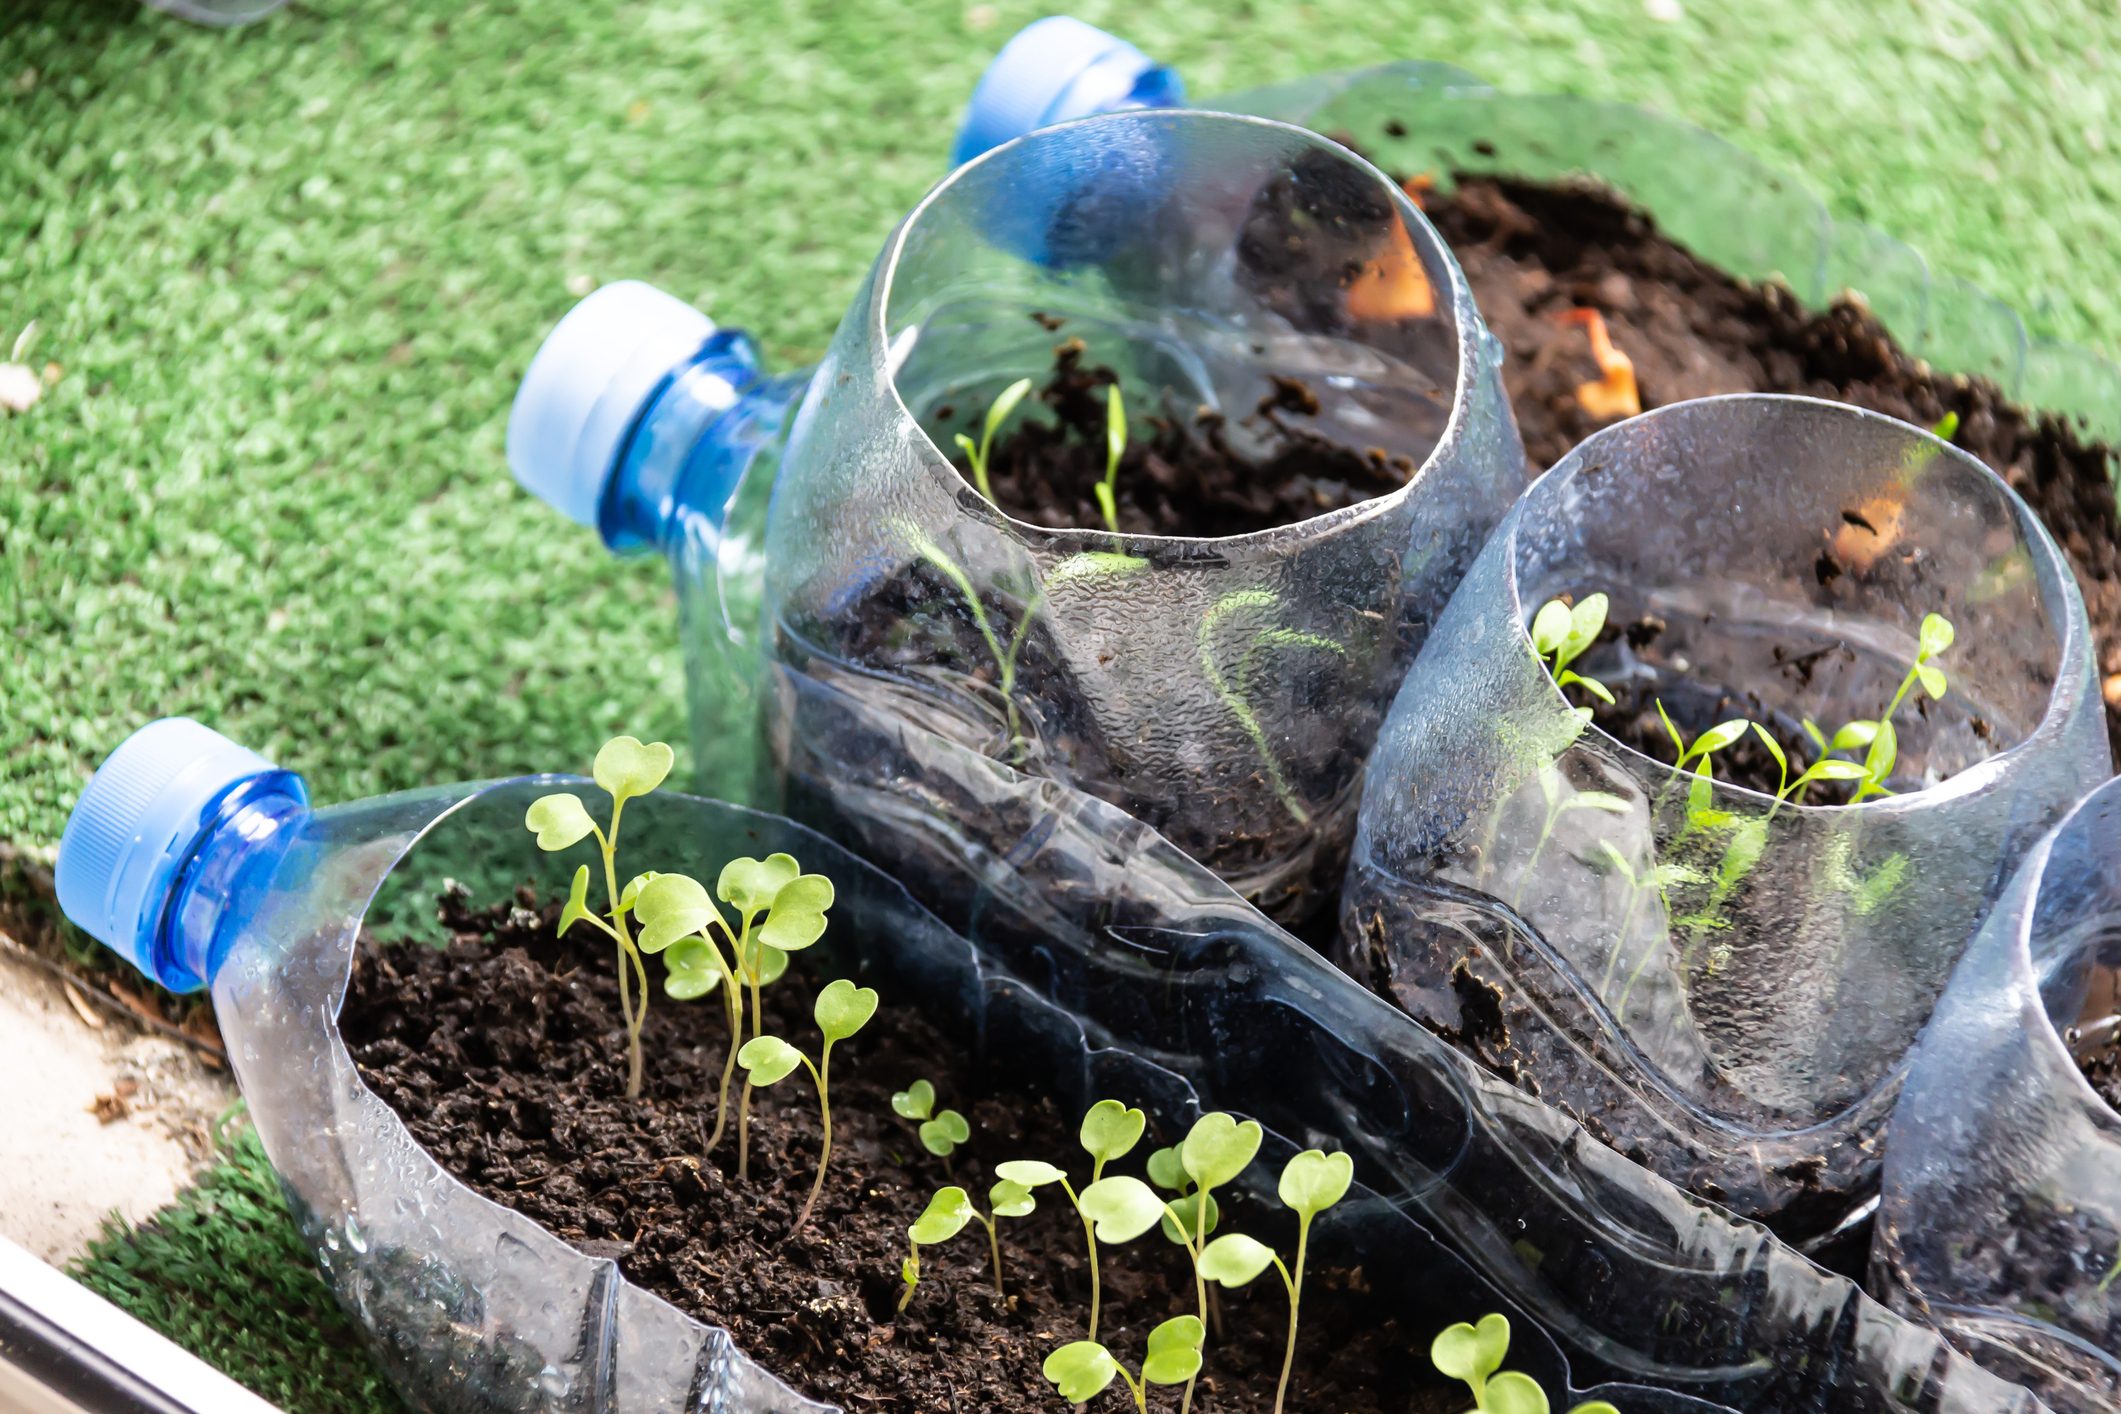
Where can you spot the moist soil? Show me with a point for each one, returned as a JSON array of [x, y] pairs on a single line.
[[503, 1053], [1532, 252]]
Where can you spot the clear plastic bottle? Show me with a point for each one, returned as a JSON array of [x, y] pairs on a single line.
[[1223, 689], [207, 866]]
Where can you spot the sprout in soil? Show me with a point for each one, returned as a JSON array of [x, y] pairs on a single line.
[[1311, 1182], [625, 768], [1117, 1209], [841, 1010], [679, 919], [997, 413], [1115, 448], [1082, 1369], [1474, 1354], [941, 1131], [1235, 686], [1946, 427], [945, 1217], [1214, 1152], [1560, 634], [1004, 658]]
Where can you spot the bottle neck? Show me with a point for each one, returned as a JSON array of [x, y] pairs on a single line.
[[220, 885], [679, 468]]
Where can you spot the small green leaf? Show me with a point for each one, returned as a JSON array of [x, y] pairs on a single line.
[[577, 902], [670, 907], [1004, 404], [1115, 426], [1716, 738], [944, 1217], [843, 1009], [768, 1059], [626, 767], [1011, 1200], [1550, 628], [1936, 636], [559, 820], [910, 1271], [798, 917], [1596, 800], [1032, 1173], [1811, 729], [1878, 763], [1111, 1130], [1593, 686], [971, 448], [1615, 860], [1933, 679], [1678, 739], [1166, 1170], [690, 970], [1854, 736], [1833, 769], [1122, 1208], [750, 884], [1174, 1351], [1586, 622], [941, 1136], [1234, 1260], [1472, 1352], [1314, 1181], [1080, 1370], [1774, 747], [916, 1101], [632, 892], [1219, 1148], [1513, 1392], [1943, 429], [1177, 1222]]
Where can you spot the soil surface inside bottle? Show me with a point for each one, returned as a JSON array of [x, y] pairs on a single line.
[[504, 1054]]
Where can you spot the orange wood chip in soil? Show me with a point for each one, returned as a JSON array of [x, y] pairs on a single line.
[[1613, 395]]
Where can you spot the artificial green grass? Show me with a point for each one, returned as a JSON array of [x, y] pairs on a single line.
[[291, 274], [221, 1271]]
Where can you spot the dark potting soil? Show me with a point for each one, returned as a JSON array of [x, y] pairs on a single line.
[[504, 1052], [1532, 252], [1183, 477]]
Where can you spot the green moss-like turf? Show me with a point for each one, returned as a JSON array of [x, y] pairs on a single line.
[[291, 274]]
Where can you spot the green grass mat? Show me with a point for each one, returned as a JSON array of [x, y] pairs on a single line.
[[290, 275]]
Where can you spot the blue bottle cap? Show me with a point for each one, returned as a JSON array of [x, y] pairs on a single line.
[[596, 372], [1056, 69], [140, 818]]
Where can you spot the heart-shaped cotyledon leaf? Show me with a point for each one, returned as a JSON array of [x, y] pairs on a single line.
[[670, 907], [1111, 1130], [797, 918], [558, 820], [750, 884], [944, 1217], [1218, 1148], [843, 1009], [1234, 1260], [1472, 1352], [690, 970], [941, 1136], [1011, 1200], [1182, 1212], [1314, 1181], [1122, 1208], [628, 767], [1513, 1392], [1032, 1173], [916, 1101], [1174, 1351], [767, 1060], [1080, 1370]]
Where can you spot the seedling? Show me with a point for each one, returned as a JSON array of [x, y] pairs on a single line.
[[1560, 634], [1235, 689], [792, 905], [1946, 427], [1474, 1355], [1115, 1209], [941, 1132], [1083, 1369], [1215, 1151], [1004, 658], [946, 1216], [625, 768], [1168, 1171], [1115, 448], [1311, 1182], [997, 413], [1558, 804], [841, 1010]]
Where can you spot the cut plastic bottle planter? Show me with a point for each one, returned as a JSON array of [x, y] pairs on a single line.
[[1723, 986], [2001, 1215], [1222, 690]]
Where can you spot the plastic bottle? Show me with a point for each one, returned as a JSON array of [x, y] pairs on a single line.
[[1221, 688]]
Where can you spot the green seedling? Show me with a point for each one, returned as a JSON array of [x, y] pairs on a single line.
[[1214, 1153], [625, 768], [1946, 427], [1659, 879], [1182, 1209], [1115, 448], [1311, 1182], [1114, 1209], [1083, 1369], [1474, 1354], [997, 413], [842, 1009], [1235, 688], [779, 909], [1560, 634], [1558, 804], [941, 1132], [947, 1215], [1004, 658]]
